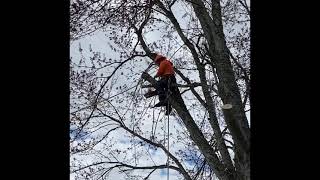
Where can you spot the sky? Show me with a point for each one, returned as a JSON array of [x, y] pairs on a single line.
[[97, 41]]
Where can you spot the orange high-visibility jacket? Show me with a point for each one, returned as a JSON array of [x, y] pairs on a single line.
[[165, 68]]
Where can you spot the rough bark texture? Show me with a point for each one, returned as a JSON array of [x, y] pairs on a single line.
[[209, 105], [195, 133], [228, 89]]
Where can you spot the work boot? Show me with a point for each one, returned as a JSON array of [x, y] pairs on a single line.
[[162, 100], [150, 94]]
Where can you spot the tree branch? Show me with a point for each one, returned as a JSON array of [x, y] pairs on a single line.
[[246, 77], [149, 174], [100, 90], [177, 85], [245, 5], [210, 105], [181, 168], [195, 133]]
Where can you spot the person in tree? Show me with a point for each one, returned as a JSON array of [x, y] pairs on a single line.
[[167, 78]]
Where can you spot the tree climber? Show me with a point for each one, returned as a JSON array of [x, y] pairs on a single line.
[[167, 78]]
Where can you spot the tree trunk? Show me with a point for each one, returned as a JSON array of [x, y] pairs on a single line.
[[228, 88], [209, 102], [196, 135]]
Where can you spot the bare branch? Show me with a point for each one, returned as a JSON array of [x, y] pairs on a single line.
[[180, 167], [177, 85], [245, 5], [149, 174], [100, 90], [246, 77]]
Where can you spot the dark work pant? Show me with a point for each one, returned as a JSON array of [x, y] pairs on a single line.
[[162, 86]]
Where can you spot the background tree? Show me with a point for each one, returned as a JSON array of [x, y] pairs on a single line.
[[209, 44]]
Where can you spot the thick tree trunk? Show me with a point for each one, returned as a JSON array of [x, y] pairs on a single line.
[[195, 133], [228, 88], [241, 161], [209, 105], [229, 93]]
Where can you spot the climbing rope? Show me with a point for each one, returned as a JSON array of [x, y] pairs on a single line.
[[168, 115], [168, 109], [168, 147], [154, 122]]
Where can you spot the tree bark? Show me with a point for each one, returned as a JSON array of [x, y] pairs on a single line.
[[228, 89], [209, 102], [220, 169]]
